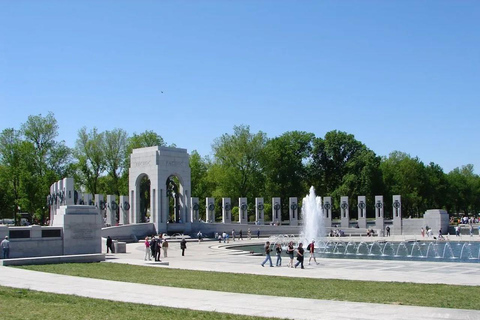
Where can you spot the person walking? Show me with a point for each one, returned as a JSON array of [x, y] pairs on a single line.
[[267, 254], [158, 248], [147, 249], [5, 244], [300, 257], [249, 234], [311, 249], [165, 247], [278, 249], [388, 231], [109, 244], [183, 246], [233, 234], [240, 234], [258, 233], [290, 252]]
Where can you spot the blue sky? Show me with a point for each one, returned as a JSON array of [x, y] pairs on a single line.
[[399, 75]]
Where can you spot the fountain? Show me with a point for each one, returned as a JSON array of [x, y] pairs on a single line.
[[312, 214]]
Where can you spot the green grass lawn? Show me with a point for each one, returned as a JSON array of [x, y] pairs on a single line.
[[430, 295], [21, 304]]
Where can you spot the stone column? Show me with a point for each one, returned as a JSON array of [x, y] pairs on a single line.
[[194, 207], [112, 207], [293, 211], [101, 205], [210, 210], [68, 191], [327, 211], [379, 218], [88, 199], [242, 210], [277, 211], [124, 208], [397, 215], [259, 214], [345, 212], [226, 210], [362, 212]]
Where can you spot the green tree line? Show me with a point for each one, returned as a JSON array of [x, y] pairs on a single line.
[[242, 164]]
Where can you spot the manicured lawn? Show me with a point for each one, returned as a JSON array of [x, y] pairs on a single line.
[[24, 304], [431, 295]]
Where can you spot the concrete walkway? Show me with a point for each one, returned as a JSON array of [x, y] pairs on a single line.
[[214, 257]]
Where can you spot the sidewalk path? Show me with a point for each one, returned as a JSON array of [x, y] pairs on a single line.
[[253, 305], [212, 256]]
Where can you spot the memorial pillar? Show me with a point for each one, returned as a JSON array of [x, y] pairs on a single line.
[[194, 207], [293, 211], [124, 208], [226, 210], [259, 214], [327, 211], [100, 204], [397, 215], [277, 211], [210, 210], [379, 218], [242, 211], [345, 218], [362, 212]]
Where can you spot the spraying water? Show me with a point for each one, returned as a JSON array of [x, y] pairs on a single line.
[[312, 213]]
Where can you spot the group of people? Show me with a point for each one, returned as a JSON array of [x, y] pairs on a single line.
[[300, 252], [154, 246], [226, 237]]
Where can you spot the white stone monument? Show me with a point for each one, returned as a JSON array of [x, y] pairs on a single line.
[[242, 210], [293, 211], [277, 211], [327, 211], [379, 217], [362, 212], [259, 213], [345, 212], [124, 207], [397, 214], [195, 207], [210, 210], [226, 210]]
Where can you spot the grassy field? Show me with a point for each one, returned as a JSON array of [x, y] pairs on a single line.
[[431, 295], [21, 304]]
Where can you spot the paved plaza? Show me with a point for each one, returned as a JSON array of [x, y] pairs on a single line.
[[212, 256]]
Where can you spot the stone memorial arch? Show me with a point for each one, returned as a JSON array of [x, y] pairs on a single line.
[[160, 185]]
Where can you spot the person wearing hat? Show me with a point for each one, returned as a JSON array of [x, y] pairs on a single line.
[[5, 244]]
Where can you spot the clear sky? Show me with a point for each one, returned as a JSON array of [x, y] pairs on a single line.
[[399, 75]]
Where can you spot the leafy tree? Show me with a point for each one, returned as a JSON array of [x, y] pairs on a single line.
[[90, 155], [236, 167], [115, 149], [200, 185], [284, 164]]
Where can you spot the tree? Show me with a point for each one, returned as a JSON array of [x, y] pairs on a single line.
[[200, 185], [284, 163], [115, 149], [236, 168], [90, 155], [405, 176]]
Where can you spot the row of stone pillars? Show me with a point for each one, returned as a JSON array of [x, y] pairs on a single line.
[[294, 210], [62, 193]]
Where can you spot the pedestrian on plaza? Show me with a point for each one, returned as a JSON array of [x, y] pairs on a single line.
[[422, 231], [249, 234], [267, 254], [278, 249], [240, 234], [233, 234], [290, 252], [110, 244], [183, 246], [300, 257], [153, 246], [200, 236], [5, 244], [471, 230], [147, 249], [158, 248], [311, 249], [388, 231], [258, 233], [165, 247], [224, 236]]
